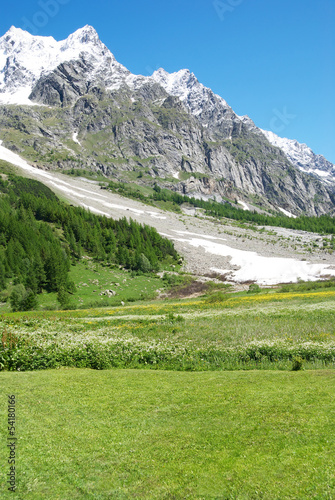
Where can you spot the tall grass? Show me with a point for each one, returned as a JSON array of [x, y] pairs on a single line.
[[242, 332]]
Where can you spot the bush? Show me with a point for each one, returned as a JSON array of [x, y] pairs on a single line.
[[297, 364], [172, 318], [175, 279], [22, 299], [4, 296], [144, 264], [16, 297], [254, 288], [64, 299], [217, 297], [29, 301]]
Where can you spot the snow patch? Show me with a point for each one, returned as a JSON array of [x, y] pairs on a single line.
[[244, 205], [94, 210], [156, 215], [210, 237], [20, 97], [288, 214], [262, 270], [65, 189], [321, 173], [75, 138], [120, 207]]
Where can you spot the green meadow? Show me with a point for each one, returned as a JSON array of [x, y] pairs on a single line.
[[225, 396], [220, 331]]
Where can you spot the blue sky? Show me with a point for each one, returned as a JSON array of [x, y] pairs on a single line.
[[272, 60]]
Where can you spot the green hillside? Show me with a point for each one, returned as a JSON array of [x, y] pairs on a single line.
[[42, 237]]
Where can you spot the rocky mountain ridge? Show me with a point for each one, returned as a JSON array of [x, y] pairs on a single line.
[[88, 111], [301, 156]]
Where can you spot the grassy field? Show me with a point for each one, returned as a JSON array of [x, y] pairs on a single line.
[[221, 331], [122, 434], [213, 409]]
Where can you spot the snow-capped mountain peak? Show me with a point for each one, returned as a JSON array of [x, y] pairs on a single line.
[[84, 35], [24, 58], [17, 35], [181, 83], [303, 157], [200, 100], [178, 83]]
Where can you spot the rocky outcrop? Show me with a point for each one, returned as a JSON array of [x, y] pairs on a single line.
[[63, 86]]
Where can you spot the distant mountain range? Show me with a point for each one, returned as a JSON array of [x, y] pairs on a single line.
[[70, 105]]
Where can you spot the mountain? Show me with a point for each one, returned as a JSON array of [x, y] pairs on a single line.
[[69, 105], [302, 157], [26, 59]]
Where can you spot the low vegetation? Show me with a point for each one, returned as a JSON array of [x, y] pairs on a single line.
[[124, 434], [219, 332], [106, 406]]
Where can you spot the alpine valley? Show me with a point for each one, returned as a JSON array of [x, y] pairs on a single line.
[[167, 284], [69, 105]]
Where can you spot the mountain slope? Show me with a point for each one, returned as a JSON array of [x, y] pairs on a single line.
[[302, 157], [90, 111]]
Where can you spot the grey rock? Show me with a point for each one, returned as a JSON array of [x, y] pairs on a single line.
[[108, 293]]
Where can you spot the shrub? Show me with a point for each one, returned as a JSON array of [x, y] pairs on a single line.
[[217, 297], [172, 318], [254, 288], [29, 300], [144, 264], [297, 363], [22, 299], [4, 296], [64, 299], [16, 297]]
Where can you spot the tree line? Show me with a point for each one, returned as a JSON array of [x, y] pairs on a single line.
[[40, 237], [324, 224]]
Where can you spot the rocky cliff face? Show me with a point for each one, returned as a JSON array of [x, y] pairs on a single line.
[[87, 111]]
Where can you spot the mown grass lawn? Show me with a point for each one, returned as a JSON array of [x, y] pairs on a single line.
[[122, 434]]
